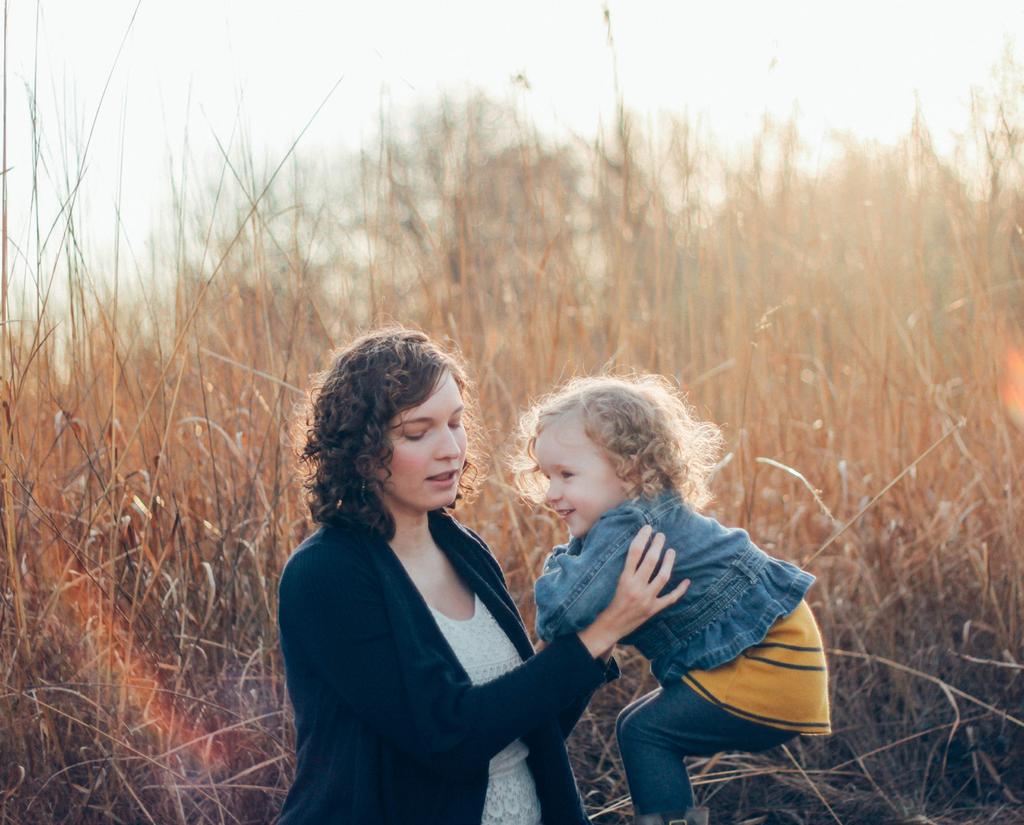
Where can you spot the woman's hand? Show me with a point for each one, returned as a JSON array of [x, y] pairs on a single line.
[[636, 596]]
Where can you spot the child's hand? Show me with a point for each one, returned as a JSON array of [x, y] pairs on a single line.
[[541, 644]]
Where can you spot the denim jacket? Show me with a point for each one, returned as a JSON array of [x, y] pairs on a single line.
[[736, 592]]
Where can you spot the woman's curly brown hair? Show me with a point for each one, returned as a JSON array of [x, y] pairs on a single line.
[[651, 436], [342, 431]]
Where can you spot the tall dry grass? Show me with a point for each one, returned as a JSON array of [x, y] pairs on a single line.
[[848, 326]]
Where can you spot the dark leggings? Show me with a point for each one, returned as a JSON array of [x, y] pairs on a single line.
[[657, 730]]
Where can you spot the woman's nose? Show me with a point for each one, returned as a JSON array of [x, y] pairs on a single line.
[[449, 445]]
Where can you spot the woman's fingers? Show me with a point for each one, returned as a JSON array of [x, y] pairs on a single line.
[[645, 574], [649, 564], [648, 570], [674, 595], [665, 569], [659, 580], [636, 549]]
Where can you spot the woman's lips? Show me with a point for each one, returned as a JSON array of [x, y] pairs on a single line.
[[443, 479]]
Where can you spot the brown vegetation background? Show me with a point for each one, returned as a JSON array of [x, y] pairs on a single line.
[[850, 325]]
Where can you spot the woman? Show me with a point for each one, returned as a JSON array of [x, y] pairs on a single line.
[[418, 696]]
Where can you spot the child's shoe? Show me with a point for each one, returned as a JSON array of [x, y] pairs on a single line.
[[691, 816]]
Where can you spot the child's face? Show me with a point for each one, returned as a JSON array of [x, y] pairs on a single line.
[[582, 483]]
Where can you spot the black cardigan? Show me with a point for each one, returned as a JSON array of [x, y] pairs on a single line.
[[389, 729]]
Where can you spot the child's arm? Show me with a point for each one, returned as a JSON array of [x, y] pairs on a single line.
[[573, 589]]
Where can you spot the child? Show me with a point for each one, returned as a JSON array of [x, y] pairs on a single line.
[[739, 657]]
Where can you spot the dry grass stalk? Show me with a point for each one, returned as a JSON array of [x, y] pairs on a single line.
[[851, 323]]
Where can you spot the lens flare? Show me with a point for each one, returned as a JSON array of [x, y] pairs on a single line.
[[1011, 388], [137, 676]]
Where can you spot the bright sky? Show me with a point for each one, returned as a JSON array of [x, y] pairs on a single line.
[[185, 64]]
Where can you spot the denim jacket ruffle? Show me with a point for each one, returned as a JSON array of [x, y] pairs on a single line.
[[736, 590]]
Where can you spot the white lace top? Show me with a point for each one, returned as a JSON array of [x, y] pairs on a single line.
[[485, 653]]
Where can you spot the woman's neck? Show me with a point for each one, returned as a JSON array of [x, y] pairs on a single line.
[[412, 538]]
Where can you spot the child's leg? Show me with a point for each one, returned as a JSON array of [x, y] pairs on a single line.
[[657, 776], [656, 731]]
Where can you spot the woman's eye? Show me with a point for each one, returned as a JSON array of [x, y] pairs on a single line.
[[413, 436]]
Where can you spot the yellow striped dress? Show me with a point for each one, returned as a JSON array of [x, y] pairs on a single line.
[[781, 682]]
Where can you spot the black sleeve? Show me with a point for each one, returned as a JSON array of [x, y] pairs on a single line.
[[571, 713], [332, 609]]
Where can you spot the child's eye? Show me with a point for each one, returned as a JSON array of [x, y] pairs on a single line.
[[567, 474]]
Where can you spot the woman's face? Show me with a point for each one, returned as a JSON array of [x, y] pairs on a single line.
[[429, 444]]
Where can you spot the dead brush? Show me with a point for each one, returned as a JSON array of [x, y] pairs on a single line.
[[849, 329]]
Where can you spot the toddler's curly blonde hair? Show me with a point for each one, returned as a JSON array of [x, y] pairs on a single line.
[[652, 437]]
